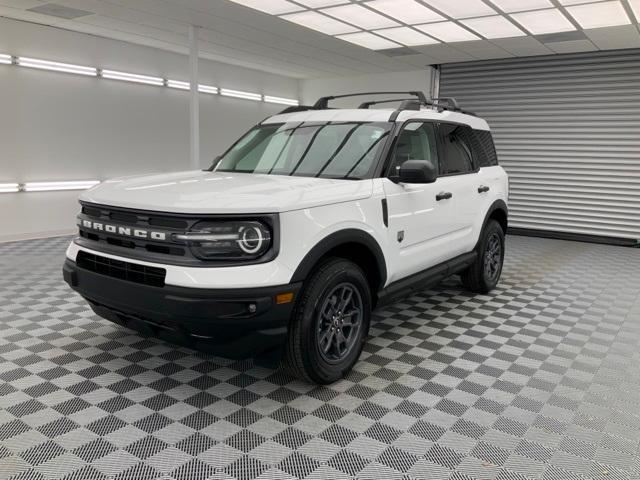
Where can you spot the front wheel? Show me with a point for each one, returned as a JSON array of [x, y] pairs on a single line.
[[484, 273], [330, 322]]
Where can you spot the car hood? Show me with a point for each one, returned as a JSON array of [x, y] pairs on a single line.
[[222, 192]]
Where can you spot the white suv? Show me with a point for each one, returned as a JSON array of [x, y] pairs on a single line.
[[307, 223]]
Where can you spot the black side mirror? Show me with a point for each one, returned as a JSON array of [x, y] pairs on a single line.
[[417, 171]]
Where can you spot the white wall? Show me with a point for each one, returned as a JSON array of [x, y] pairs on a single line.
[[392, 81], [56, 126]]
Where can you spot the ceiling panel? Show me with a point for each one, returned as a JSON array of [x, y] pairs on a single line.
[[245, 35]]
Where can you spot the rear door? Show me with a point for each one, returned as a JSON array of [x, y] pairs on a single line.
[[458, 168]]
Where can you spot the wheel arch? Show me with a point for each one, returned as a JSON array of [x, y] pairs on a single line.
[[497, 211], [353, 244]]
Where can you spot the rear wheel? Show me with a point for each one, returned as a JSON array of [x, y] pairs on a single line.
[[484, 273], [330, 322]]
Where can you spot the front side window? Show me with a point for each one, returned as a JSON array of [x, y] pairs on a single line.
[[417, 141], [345, 150], [456, 152]]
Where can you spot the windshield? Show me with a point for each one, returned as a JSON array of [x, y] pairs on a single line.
[[345, 150]]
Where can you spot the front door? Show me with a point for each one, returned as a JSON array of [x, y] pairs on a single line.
[[420, 215]]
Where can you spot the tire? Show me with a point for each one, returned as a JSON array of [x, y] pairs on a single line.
[[315, 350], [484, 273]]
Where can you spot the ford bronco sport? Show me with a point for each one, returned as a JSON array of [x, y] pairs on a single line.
[[307, 223]]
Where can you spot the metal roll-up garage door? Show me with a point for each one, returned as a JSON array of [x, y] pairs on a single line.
[[567, 130]]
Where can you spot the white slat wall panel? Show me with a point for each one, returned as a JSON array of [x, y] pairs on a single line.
[[567, 130]]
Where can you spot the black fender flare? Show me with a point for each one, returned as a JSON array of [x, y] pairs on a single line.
[[496, 205], [333, 240]]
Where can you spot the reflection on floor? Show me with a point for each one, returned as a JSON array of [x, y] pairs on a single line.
[[540, 379]]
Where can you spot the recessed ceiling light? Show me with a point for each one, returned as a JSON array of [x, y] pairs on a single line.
[[360, 16], [448, 32], [319, 22], [406, 36], [321, 3], [635, 6], [368, 40], [274, 7], [539, 22], [495, 26], [407, 11], [596, 15], [511, 6], [462, 9]]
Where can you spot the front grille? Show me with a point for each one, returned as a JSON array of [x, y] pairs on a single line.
[[131, 272], [132, 246]]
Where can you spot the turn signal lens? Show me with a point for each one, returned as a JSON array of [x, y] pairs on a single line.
[[284, 298]]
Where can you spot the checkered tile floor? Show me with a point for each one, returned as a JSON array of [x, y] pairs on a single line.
[[540, 379]]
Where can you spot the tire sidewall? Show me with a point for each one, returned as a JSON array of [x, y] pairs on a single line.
[[492, 228], [343, 271]]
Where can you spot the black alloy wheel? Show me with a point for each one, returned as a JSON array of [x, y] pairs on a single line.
[[339, 322]]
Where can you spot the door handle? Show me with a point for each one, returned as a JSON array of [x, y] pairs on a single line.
[[483, 189], [444, 196]]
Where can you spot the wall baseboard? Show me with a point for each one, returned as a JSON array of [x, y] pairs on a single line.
[[576, 237], [18, 237]]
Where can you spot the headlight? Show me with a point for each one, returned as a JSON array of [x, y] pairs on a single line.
[[228, 240]]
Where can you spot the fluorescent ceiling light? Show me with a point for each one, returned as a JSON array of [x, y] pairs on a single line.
[[448, 32], [274, 7], [319, 22], [360, 16], [281, 100], [597, 15], [575, 2], [493, 27], [511, 6], [462, 8], [9, 187], [321, 3], [54, 186], [180, 85], [207, 89], [407, 11], [406, 36], [132, 77], [368, 40], [635, 6], [540, 22], [56, 66], [240, 94], [6, 59]]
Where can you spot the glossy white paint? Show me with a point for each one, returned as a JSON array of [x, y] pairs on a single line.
[[377, 115], [219, 192]]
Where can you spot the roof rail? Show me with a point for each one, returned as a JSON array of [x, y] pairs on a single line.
[[323, 102], [296, 108]]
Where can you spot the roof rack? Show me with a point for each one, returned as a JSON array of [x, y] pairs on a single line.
[[296, 108], [441, 104], [323, 102]]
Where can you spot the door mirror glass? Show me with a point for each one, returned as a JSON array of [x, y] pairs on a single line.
[[417, 171]]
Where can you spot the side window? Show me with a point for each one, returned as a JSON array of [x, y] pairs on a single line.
[[417, 141], [456, 149], [487, 157]]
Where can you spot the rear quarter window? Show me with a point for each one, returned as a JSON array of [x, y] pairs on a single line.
[[485, 149]]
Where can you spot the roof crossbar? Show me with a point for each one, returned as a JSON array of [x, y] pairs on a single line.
[[323, 102], [366, 105]]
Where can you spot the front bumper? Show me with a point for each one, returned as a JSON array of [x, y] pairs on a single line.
[[223, 319]]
